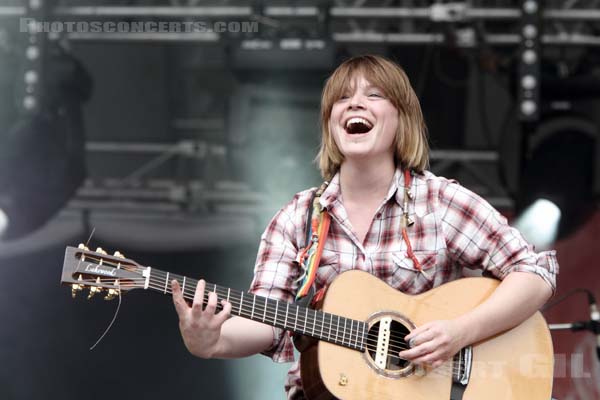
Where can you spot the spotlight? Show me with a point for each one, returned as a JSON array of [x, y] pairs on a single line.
[[3, 222], [539, 223], [42, 155], [560, 167]]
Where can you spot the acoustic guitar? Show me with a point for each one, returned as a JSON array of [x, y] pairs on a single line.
[[360, 330]]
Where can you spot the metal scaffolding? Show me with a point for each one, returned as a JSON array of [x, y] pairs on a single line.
[[342, 25]]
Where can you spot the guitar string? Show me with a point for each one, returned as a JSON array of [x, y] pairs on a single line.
[[271, 316], [156, 280], [444, 370], [328, 326], [157, 275], [399, 344], [372, 339], [318, 323]]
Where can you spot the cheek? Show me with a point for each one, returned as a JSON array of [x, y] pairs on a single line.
[[334, 122], [334, 116], [392, 125]]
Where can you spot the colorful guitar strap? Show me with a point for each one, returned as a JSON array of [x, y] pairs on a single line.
[[317, 227]]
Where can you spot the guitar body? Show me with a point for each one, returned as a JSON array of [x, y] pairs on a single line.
[[517, 364]]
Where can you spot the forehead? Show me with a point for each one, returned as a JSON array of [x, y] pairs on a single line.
[[357, 81]]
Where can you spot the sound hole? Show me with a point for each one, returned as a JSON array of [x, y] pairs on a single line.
[[396, 344]]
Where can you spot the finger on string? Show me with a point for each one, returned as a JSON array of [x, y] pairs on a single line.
[[180, 304], [198, 298], [428, 359], [211, 305], [223, 315], [444, 369], [420, 338], [417, 331], [419, 351]]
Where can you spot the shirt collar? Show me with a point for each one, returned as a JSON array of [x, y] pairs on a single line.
[[333, 191]]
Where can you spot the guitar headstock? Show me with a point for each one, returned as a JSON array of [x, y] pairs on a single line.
[[100, 272]]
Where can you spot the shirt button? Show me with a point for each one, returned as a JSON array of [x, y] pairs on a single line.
[[378, 215]]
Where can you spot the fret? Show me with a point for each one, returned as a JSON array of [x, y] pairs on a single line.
[[337, 328], [305, 320], [183, 286], [265, 309], [351, 325], [146, 274], [330, 324], [364, 331], [322, 324], [166, 282], [275, 316], [296, 320], [228, 292], [287, 308], [253, 302], [344, 336], [314, 323], [241, 302]]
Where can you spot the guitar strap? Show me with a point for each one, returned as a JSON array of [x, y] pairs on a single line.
[[457, 391], [317, 227], [309, 257]]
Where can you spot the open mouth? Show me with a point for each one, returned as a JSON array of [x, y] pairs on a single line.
[[355, 126]]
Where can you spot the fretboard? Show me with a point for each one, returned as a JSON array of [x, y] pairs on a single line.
[[302, 320]]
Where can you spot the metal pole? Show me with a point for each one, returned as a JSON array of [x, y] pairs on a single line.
[[295, 12], [171, 12]]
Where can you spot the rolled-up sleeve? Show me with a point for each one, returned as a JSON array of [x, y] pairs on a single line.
[[478, 236], [276, 271]]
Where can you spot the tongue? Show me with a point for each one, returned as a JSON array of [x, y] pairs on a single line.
[[357, 128]]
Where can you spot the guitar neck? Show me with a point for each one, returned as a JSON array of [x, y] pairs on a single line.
[[301, 320]]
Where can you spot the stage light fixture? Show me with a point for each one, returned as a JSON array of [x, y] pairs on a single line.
[[559, 181], [528, 92], [42, 155], [539, 223], [3, 222]]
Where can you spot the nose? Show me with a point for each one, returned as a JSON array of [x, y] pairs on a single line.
[[356, 102]]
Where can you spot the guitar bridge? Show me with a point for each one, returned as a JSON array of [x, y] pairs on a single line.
[[463, 361]]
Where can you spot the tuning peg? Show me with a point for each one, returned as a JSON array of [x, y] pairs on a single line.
[[101, 251], [118, 254], [95, 289], [112, 293], [75, 288]]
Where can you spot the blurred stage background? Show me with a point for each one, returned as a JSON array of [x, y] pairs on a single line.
[[177, 147]]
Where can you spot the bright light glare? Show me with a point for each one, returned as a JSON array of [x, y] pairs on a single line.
[[3, 222], [539, 223]]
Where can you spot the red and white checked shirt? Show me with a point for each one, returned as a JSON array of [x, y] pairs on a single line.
[[453, 228]]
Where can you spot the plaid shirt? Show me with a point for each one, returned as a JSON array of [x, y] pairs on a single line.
[[453, 228]]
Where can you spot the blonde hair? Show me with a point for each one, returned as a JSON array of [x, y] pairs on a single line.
[[412, 149]]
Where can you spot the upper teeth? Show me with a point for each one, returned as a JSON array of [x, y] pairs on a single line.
[[357, 120]]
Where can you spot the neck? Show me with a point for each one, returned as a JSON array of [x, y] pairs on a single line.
[[360, 181]]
